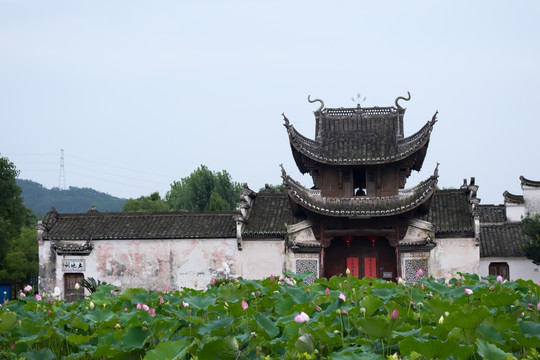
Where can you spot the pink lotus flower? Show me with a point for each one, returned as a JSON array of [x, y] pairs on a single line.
[[272, 277], [213, 281], [184, 304], [38, 297], [468, 291], [145, 307], [395, 314], [161, 300], [538, 306], [139, 306], [419, 272], [166, 288], [27, 288], [244, 305], [125, 309], [342, 297], [422, 286], [499, 278], [327, 291], [152, 312], [21, 294], [112, 291], [301, 318]]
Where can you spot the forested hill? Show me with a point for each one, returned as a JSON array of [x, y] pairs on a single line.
[[74, 200]]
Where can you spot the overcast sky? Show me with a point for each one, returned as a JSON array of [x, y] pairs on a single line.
[[138, 94]]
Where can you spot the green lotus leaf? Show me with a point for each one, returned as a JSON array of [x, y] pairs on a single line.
[[267, 324], [491, 351], [375, 327], [304, 344], [435, 348], [79, 339], [169, 350], [370, 303], [223, 349], [7, 320], [38, 354], [135, 338], [216, 327]]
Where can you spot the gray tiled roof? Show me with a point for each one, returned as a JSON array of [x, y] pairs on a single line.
[[268, 215], [498, 237], [359, 136], [451, 214], [502, 240], [171, 225], [490, 214]]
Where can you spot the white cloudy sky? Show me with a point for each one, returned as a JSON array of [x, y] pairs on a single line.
[[138, 94]]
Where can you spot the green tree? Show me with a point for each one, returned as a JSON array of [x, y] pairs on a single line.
[[204, 190], [151, 203], [275, 188], [13, 213], [531, 227], [21, 261]]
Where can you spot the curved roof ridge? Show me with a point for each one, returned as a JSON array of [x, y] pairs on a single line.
[[313, 149], [528, 182], [514, 199], [405, 201]]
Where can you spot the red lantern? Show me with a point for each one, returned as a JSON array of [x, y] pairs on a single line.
[[348, 240], [373, 240]]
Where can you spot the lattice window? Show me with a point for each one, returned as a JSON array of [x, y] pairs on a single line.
[[311, 265], [411, 267]]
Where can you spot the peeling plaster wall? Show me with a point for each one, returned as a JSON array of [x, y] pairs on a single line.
[[175, 263], [260, 258], [47, 267], [453, 255], [520, 268]]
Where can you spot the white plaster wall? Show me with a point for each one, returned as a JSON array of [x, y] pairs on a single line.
[[514, 212], [453, 255], [174, 263], [261, 258], [520, 268], [531, 195]]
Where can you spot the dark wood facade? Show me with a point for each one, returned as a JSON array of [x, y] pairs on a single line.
[[359, 162]]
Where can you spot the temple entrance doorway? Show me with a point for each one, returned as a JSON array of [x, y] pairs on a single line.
[[364, 256]]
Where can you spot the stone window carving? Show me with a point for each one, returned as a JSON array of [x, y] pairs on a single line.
[[311, 265]]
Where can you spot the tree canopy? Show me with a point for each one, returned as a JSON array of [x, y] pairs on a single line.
[[204, 190], [13, 213], [531, 227], [153, 203]]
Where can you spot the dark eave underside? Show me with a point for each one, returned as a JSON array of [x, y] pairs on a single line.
[[354, 151], [406, 201]]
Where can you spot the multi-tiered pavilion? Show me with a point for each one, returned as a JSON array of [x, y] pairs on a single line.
[[358, 206]]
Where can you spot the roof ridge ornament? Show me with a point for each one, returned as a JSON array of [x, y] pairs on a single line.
[[402, 98], [287, 124], [283, 173], [434, 118], [316, 100]]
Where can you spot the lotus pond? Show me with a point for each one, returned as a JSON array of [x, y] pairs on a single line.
[[341, 318]]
